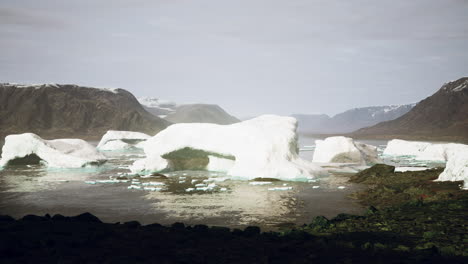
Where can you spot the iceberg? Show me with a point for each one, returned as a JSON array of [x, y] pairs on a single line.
[[29, 148], [344, 150], [265, 146], [122, 140], [424, 151], [455, 156], [456, 168]]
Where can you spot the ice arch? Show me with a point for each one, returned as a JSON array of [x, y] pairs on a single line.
[[265, 146]]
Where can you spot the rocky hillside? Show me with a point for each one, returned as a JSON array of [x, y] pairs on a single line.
[[442, 116], [53, 110], [350, 120], [201, 113]]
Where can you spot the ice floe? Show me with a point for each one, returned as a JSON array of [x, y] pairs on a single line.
[[280, 188], [57, 153], [404, 169], [122, 140], [344, 150], [259, 183]]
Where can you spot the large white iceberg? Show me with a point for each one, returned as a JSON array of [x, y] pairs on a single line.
[[57, 153], [456, 169], [456, 156], [424, 151], [122, 140], [265, 146], [344, 150]]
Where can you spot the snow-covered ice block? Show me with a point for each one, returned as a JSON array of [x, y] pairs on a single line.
[[456, 169], [344, 150], [122, 140], [57, 153], [424, 151], [108, 181], [265, 146], [153, 184], [153, 189], [404, 169]]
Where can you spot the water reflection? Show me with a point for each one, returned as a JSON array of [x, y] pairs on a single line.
[[38, 190]]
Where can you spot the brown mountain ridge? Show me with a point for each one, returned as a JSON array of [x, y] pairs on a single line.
[[440, 117], [57, 111]]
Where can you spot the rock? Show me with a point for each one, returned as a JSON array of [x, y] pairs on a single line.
[[132, 224], [34, 218], [252, 231], [320, 221], [378, 170], [6, 218], [86, 217]]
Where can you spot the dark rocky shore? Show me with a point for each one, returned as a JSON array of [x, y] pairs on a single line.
[[85, 239], [410, 219]]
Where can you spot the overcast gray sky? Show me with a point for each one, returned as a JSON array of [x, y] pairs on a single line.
[[249, 56]]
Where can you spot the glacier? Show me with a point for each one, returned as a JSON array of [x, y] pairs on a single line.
[[122, 140], [344, 150], [265, 146], [57, 153]]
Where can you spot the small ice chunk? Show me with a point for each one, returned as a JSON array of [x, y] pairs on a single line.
[[152, 189], [312, 181], [185, 174], [341, 187], [190, 189], [404, 169], [285, 184], [259, 183], [181, 181], [223, 189], [136, 187], [221, 179], [193, 181], [90, 182], [200, 185], [108, 181], [280, 188], [182, 178], [153, 184], [315, 187]]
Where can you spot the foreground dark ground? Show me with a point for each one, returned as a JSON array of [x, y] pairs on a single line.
[[411, 219]]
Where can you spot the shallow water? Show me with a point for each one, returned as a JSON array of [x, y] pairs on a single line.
[[38, 190]]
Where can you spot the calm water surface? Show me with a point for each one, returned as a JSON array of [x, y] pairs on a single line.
[[37, 190]]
